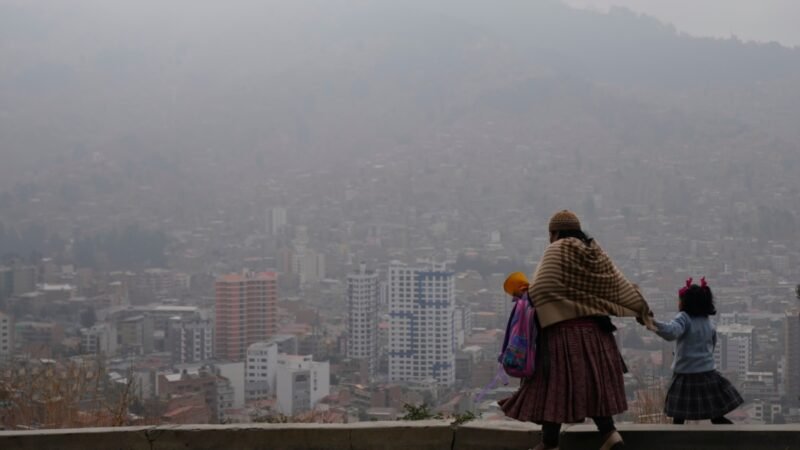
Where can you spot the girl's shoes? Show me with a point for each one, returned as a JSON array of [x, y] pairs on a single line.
[[613, 442]]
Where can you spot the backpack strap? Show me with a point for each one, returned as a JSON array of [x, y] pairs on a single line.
[[508, 326], [500, 375], [527, 297]]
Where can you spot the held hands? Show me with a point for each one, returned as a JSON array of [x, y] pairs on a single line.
[[647, 321]]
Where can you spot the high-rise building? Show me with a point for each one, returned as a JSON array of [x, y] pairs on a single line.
[[791, 375], [734, 349], [462, 321], [136, 335], [362, 320], [152, 284], [226, 397], [118, 293], [190, 340], [308, 265], [24, 280], [287, 344], [37, 339], [422, 333], [246, 312], [276, 220], [6, 282], [760, 385], [301, 383], [6, 337], [260, 370], [99, 339], [234, 373]]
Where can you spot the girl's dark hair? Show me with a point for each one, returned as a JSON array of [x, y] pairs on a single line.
[[698, 301], [578, 234]]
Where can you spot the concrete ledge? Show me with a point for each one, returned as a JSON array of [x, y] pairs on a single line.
[[434, 434], [690, 437], [424, 435], [481, 435], [123, 438]]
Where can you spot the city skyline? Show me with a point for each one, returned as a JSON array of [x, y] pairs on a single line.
[[305, 211]]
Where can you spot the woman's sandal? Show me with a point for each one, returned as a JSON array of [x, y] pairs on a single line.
[[542, 447], [613, 442]]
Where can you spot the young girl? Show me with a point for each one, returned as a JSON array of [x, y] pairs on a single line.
[[698, 391], [516, 285]]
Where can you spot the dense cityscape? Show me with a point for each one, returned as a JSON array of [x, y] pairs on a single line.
[[306, 315], [352, 274]]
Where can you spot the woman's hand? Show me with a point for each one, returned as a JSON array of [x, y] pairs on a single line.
[[647, 321]]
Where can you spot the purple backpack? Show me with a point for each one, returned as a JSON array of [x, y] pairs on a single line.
[[518, 356]]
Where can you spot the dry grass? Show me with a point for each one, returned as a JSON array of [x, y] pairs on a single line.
[[40, 395], [306, 417], [648, 407]]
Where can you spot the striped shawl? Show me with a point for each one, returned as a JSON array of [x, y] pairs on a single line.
[[577, 280]]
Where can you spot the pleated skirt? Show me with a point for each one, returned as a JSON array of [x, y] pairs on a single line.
[[579, 374], [701, 396]]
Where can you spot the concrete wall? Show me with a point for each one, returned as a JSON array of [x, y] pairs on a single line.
[[433, 435]]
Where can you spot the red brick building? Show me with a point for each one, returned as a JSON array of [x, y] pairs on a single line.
[[246, 312]]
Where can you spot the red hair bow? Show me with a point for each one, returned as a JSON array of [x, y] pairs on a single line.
[[685, 289]]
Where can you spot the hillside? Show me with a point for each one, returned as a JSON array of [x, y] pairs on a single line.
[[202, 94]]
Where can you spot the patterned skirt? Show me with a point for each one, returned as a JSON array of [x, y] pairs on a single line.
[[701, 396], [578, 375]]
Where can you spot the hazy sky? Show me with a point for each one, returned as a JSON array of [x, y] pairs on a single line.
[[761, 20]]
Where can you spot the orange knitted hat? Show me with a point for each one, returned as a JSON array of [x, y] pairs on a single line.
[[515, 282]]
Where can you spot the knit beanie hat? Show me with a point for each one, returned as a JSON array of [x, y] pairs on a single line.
[[515, 282], [564, 221]]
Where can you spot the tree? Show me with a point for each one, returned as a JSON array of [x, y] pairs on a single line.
[[63, 395]]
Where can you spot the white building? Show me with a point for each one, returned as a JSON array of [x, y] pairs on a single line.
[[287, 343], [362, 320], [759, 411], [301, 383], [234, 373], [422, 332], [225, 398], [760, 385], [190, 340], [734, 350], [308, 265], [276, 220], [99, 339], [6, 337], [463, 324], [260, 370]]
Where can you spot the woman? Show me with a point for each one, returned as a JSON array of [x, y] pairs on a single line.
[[579, 371]]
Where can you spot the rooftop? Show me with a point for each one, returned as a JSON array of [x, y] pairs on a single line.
[[240, 277], [423, 435]]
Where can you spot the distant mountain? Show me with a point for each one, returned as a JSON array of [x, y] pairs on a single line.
[[624, 47], [269, 85]]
